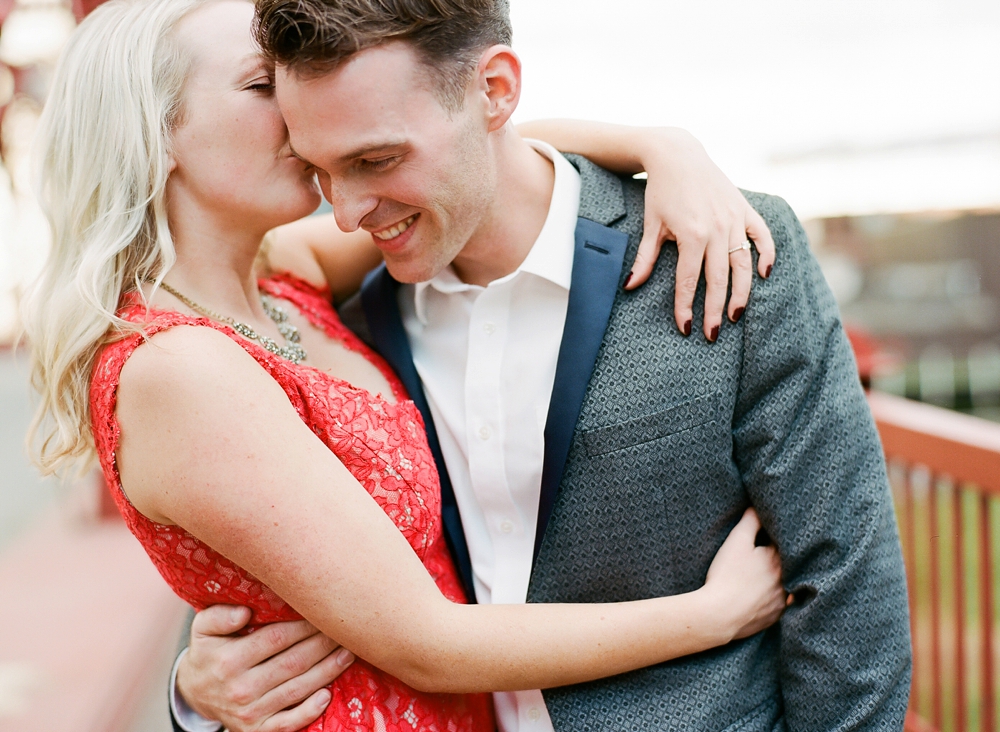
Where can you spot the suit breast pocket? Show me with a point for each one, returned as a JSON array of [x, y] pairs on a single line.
[[673, 420]]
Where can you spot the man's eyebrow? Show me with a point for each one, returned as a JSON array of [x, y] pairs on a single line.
[[358, 152], [372, 148]]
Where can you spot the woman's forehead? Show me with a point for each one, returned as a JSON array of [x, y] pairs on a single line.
[[217, 34]]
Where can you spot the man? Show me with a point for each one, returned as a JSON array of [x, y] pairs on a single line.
[[588, 451]]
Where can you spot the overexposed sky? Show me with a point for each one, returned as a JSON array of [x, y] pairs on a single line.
[[840, 106]]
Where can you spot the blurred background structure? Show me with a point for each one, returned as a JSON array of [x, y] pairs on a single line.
[[878, 120], [87, 627]]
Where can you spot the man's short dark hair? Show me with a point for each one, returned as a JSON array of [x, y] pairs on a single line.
[[312, 37]]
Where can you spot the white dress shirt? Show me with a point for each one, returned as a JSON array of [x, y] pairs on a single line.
[[487, 359], [187, 719]]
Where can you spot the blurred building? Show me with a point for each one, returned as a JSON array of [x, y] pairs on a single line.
[[925, 288], [32, 33]]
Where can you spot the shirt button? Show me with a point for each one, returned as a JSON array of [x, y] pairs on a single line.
[[484, 432], [489, 328], [534, 714], [506, 526]]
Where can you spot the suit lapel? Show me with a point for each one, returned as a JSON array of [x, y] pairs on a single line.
[[378, 298], [597, 272]]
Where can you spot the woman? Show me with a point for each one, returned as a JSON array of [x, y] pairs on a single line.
[[246, 457]]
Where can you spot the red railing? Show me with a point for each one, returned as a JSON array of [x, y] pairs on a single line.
[[945, 471]]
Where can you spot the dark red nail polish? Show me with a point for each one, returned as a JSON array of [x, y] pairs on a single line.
[[714, 336], [767, 272], [627, 280], [687, 329], [737, 314]]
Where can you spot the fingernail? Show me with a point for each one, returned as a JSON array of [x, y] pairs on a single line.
[[714, 335], [767, 272], [236, 614], [345, 657], [737, 314], [323, 698], [627, 280], [687, 329]]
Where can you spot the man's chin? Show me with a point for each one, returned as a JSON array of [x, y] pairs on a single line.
[[409, 271]]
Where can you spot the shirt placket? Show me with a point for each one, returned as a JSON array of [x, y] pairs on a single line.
[[488, 326]]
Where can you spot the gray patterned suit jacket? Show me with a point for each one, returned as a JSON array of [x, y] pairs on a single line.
[[674, 438]]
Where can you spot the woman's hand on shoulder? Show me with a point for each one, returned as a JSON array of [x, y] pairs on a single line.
[[743, 586], [689, 200]]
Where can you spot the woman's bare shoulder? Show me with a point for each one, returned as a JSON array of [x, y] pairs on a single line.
[[188, 393], [183, 359]]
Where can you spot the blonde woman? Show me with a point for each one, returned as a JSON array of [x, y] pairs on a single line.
[[260, 452]]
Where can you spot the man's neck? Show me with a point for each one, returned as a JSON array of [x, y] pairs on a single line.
[[525, 181]]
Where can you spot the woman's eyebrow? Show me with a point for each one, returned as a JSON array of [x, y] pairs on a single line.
[[252, 64], [292, 150]]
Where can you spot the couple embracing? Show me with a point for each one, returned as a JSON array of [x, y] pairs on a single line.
[[501, 468]]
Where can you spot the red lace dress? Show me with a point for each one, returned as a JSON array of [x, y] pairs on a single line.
[[384, 447]]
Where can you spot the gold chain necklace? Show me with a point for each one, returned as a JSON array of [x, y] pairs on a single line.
[[291, 350]]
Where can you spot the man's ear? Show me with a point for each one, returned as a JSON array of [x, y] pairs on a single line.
[[500, 78]]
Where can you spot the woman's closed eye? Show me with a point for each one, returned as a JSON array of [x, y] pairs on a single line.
[[264, 85]]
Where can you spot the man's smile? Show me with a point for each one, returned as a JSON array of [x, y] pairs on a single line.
[[397, 229]]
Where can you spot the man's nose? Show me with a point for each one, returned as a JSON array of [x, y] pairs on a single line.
[[350, 203]]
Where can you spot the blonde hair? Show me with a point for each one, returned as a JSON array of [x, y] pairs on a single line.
[[104, 140]]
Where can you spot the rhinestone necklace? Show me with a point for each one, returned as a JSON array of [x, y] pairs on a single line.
[[291, 350]]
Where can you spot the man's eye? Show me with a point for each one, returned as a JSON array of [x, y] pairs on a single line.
[[264, 85], [377, 165]]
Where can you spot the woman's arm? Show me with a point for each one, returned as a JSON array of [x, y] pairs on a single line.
[[317, 251], [688, 200], [228, 458]]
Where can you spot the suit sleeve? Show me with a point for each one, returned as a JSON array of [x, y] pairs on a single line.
[[810, 457]]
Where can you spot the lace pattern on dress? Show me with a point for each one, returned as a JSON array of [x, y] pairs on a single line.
[[384, 447]]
